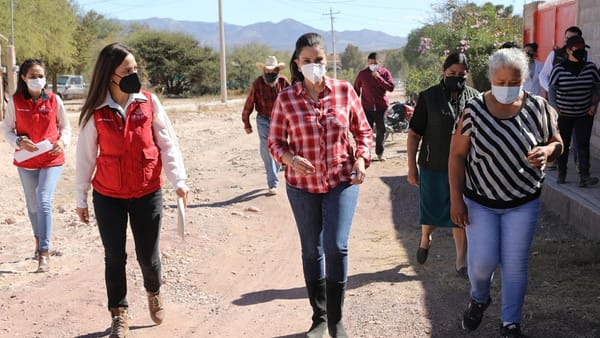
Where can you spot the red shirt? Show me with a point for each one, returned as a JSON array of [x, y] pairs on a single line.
[[373, 91], [262, 96], [129, 163], [38, 120], [319, 131]]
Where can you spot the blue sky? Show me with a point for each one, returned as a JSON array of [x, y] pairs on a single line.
[[395, 17]]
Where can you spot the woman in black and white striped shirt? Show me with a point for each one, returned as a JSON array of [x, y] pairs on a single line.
[[574, 91], [498, 153]]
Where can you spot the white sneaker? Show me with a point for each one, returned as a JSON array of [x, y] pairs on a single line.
[[272, 191]]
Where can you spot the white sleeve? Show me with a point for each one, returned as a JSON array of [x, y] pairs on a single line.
[[8, 125], [85, 164], [63, 122], [546, 71], [170, 154]]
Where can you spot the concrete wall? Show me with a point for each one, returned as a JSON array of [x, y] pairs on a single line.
[[588, 15]]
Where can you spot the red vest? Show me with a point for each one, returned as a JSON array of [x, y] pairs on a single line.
[[128, 164], [39, 121]]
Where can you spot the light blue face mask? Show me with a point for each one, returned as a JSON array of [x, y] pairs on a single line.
[[506, 95]]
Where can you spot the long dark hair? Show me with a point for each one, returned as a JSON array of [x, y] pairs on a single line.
[[109, 59], [23, 69], [306, 40]]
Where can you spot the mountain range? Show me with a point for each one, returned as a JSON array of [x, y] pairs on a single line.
[[279, 36]]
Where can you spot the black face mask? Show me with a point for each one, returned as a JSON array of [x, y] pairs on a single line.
[[270, 78], [454, 83], [130, 84], [531, 56], [580, 55]]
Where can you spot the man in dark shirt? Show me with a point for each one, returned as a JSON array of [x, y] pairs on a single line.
[[372, 84], [261, 97]]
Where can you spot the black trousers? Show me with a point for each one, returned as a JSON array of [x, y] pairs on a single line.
[[145, 216], [583, 131], [377, 118]]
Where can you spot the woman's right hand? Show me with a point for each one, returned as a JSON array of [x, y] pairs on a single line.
[[302, 166], [28, 145], [459, 214], [84, 215], [413, 176]]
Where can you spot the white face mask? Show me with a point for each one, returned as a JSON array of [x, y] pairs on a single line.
[[373, 67], [36, 85], [506, 95], [313, 72]]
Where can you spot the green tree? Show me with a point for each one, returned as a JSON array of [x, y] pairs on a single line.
[[93, 32], [42, 29], [394, 61], [241, 64], [461, 26], [174, 63], [352, 58]]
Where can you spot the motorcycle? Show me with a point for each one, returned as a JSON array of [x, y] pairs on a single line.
[[397, 118]]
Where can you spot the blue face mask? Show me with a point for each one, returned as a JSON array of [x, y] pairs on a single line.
[[506, 95]]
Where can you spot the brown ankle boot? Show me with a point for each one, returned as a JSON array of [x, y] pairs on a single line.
[[120, 325], [43, 262], [155, 306]]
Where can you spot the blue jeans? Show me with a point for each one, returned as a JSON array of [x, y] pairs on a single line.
[[271, 166], [324, 222], [501, 236], [39, 186]]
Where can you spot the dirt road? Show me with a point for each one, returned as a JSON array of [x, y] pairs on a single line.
[[238, 272]]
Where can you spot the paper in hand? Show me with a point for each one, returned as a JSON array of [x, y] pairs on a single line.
[[43, 147], [180, 217]]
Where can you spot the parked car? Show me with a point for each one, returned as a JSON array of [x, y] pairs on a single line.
[[70, 87]]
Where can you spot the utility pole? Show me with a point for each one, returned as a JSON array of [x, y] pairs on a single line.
[[331, 17], [2, 73], [12, 24], [223, 58], [10, 56]]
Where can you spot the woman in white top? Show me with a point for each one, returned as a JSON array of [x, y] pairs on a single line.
[[532, 81]]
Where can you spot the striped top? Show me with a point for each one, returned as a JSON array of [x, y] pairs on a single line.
[[497, 173], [573, 93]]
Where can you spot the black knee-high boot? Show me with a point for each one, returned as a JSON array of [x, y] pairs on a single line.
[[318, 300], [335, 303]]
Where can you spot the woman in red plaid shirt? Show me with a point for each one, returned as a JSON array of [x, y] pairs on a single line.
[[310, 124]]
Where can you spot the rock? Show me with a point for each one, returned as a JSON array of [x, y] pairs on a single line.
[[252, 209]]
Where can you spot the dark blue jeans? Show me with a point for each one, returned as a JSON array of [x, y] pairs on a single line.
[[376, 117], [145, 216], [324, 222]]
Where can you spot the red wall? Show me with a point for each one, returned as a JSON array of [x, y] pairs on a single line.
[[550, 25]]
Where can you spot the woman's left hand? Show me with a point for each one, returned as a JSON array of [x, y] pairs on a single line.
[[538, 157], [183, 193], [358, 171], [57, 148]]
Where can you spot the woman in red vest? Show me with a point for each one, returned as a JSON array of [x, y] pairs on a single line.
[[124, 141], [37, 126]]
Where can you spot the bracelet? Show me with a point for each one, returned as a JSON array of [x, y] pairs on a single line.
[[294, 159]]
